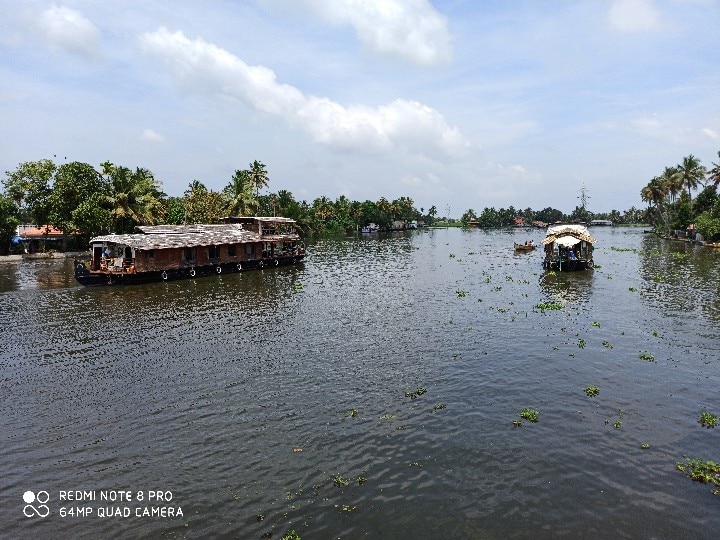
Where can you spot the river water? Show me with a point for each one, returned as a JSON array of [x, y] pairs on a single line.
[[292, 398]]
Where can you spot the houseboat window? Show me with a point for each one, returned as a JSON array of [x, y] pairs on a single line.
[[231, 250], [249, 249], [188, 254], [213, 252], [150, 254]]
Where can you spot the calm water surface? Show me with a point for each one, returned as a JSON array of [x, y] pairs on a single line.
[[276, 400]]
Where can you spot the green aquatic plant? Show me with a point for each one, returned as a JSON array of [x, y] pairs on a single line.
[[530, 414], [632, 289], [517, 423], [620, 249], [592, 391], [549, 305], [607, 344], [462, 294], [419, 391], [644, 446], [291, 535], [361, 480], [438, 406], [349, 508], [387, 416], [703, 471], [617, 424], [581, 343], [352, 413], [709, 420], [339, 481], [596, 324], [647, 357], [655, 333], [298, 286]]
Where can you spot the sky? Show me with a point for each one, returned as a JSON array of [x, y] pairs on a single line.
[[457, 104]]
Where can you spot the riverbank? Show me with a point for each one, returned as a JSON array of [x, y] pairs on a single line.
[[48, 255]]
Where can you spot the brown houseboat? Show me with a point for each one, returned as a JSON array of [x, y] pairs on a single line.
[[164, 252]]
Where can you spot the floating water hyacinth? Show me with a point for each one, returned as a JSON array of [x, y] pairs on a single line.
[[703, 471], [708, 420], [530, 414]]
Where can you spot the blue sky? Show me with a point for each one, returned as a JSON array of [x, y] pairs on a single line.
[[455, 103]]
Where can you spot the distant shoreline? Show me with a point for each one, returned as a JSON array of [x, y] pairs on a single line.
[[40, 256]]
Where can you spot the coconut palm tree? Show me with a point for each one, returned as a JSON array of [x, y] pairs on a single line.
[[672, 181], [239, 195], [135, 198], [714, 173], [691, 173], [655, 194], [258, 176]]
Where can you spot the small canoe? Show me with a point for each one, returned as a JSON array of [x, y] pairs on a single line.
[[524, 247]]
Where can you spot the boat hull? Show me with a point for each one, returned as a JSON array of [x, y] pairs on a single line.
[[101, 278], [568, 265]]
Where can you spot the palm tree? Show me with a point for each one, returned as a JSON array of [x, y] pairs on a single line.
[[672, 181], [239, 195], [654, 194], [258, 176], [135, 197], [691, 173], [714, 173]]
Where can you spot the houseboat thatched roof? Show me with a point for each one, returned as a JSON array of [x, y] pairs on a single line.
[[179, 236], [567, 234]]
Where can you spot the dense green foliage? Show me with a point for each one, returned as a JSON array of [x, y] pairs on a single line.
[[670, 203], [79, 198]]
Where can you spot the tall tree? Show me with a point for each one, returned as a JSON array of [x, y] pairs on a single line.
[[258, 176], [654, 194], [714, 173], [239, 195], [690, 173], [29, 186], [203, 205], [74, 184], [8, 222], [135, 198]]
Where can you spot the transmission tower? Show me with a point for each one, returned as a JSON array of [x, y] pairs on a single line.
[[583, 197]]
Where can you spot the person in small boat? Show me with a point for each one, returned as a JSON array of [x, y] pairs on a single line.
[[571, 255]]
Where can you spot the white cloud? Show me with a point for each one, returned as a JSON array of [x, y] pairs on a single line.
[[408, 29], [712, 134], [150, 135], [69, 30], [207, 69], [635, 16]]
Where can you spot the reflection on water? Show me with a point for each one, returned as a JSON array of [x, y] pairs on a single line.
[[568, 287], [281, 399], [680, 279]]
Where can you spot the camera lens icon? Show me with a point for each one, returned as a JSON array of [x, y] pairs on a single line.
[[39, 510]]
